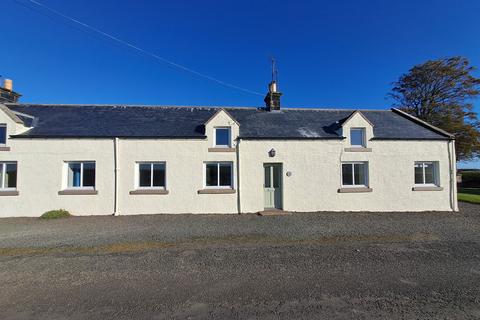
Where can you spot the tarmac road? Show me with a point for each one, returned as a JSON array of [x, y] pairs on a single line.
[[304, 266]]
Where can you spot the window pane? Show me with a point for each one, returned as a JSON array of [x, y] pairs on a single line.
[[74, 174], [211, 174], [347, 176], [1, 175], [267, 176], [360, 174], [159, 175], [3, 134], [89, 174], [225, 175], [222, 137], [429, 173], [356, 137], [144, 174], [11, 175], [418, 173]]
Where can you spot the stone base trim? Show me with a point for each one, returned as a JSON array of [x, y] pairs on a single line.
[[77, 192], [427, 189], [354, 190], [216, 191], [149, 192]]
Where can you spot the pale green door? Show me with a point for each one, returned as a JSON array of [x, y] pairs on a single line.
[[272, 185]]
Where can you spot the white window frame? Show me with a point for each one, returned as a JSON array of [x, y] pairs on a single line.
[[364, 138], [3, 171], [3, 125], [137, 175], [67, 187], [436, 180], [229, 138], [353, 185], [218, 163]]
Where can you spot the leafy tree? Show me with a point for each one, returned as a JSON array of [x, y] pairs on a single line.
[[440, 92]]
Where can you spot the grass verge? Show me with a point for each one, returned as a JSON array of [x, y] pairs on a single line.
[[471, 195]]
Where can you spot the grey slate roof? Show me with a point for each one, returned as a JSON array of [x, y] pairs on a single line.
[[187, 122]]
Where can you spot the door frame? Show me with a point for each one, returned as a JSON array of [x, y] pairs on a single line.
[[280, 166]]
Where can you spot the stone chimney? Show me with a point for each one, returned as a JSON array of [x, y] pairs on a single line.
[[7, 94], [272, 99]]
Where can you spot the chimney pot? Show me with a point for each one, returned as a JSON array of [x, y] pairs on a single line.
[[273, 86], [8, 84]]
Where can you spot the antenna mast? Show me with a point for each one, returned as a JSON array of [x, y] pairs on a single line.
[[274, 70]]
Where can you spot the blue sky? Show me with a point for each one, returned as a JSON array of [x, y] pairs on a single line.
[[342, 54]]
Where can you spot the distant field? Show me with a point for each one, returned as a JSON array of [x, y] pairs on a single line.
[[471, 195]]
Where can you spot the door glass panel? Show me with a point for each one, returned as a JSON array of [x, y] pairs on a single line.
[[144, 175], [211, 174], [276, 177], [347, 174], [418, 173], [267, 176], [89, 174], [359, 171]]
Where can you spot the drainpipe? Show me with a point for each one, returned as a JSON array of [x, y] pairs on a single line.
[[453, 175], [116, 168], [239, 207]]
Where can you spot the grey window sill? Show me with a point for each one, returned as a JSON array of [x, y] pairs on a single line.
[[8, 193], [427, 189], [354, 190], [358, 149], [221, 149], [79, 192], [4, 148], [216, 191], [149, 191]]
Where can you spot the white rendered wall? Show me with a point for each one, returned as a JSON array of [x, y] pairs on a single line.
[[313, 186], [316, 175], [40, 176]]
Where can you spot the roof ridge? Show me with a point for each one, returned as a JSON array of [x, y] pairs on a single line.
[[335, 109], [186, 106], [124, 106]]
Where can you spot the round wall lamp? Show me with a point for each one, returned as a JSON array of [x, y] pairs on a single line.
[[272, 153]]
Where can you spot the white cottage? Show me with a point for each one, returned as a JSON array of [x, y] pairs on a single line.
[[103, 160]]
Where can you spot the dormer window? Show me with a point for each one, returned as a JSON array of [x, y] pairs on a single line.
[[3, 134], [357, 137], [222, 137]]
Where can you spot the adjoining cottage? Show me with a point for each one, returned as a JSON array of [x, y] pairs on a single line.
[[102, 160]]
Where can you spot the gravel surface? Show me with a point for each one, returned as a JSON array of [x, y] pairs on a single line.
[[303, 266]]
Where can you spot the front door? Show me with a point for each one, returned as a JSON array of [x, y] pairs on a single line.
[[272, 185]]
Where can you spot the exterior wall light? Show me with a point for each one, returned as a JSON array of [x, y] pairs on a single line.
[[272, 153]]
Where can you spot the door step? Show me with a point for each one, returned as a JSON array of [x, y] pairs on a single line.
[[274, 212]]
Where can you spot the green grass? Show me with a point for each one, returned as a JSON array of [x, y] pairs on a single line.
[[471, 195], [55, 214]]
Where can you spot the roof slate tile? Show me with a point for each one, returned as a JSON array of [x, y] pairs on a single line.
[[187, 122]]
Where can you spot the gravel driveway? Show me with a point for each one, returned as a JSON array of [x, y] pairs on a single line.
[[303, 266]]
